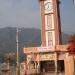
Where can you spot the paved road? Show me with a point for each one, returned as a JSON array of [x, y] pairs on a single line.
[[53, 74]]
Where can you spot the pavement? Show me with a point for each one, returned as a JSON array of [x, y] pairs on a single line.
[[53, 74]]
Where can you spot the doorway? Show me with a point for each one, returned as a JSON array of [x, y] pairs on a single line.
[[60, 65], [47, 66]]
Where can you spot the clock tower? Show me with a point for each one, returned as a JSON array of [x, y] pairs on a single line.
[[50, 17]]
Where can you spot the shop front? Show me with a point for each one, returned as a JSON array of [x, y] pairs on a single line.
[[46, 60]]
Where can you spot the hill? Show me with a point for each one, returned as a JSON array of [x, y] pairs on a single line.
[[27, 37]]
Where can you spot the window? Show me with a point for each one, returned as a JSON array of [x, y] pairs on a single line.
[[49, 22], [50, 38]]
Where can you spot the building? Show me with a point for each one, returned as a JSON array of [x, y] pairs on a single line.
[[51, 52]]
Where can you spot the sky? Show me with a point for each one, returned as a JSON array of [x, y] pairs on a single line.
[[26, 13]]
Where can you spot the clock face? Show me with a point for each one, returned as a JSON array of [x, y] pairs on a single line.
[[48, 6]]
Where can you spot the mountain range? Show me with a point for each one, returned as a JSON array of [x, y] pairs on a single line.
[[28, 37]]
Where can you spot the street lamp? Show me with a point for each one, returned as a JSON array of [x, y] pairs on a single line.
[[17, 70]]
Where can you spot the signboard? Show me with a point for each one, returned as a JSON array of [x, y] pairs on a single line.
[[47, 56], [61, 47], [39, 49], [30, 50], [45, 49], [61, 56]]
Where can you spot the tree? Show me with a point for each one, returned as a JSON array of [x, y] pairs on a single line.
[[71, 47]]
